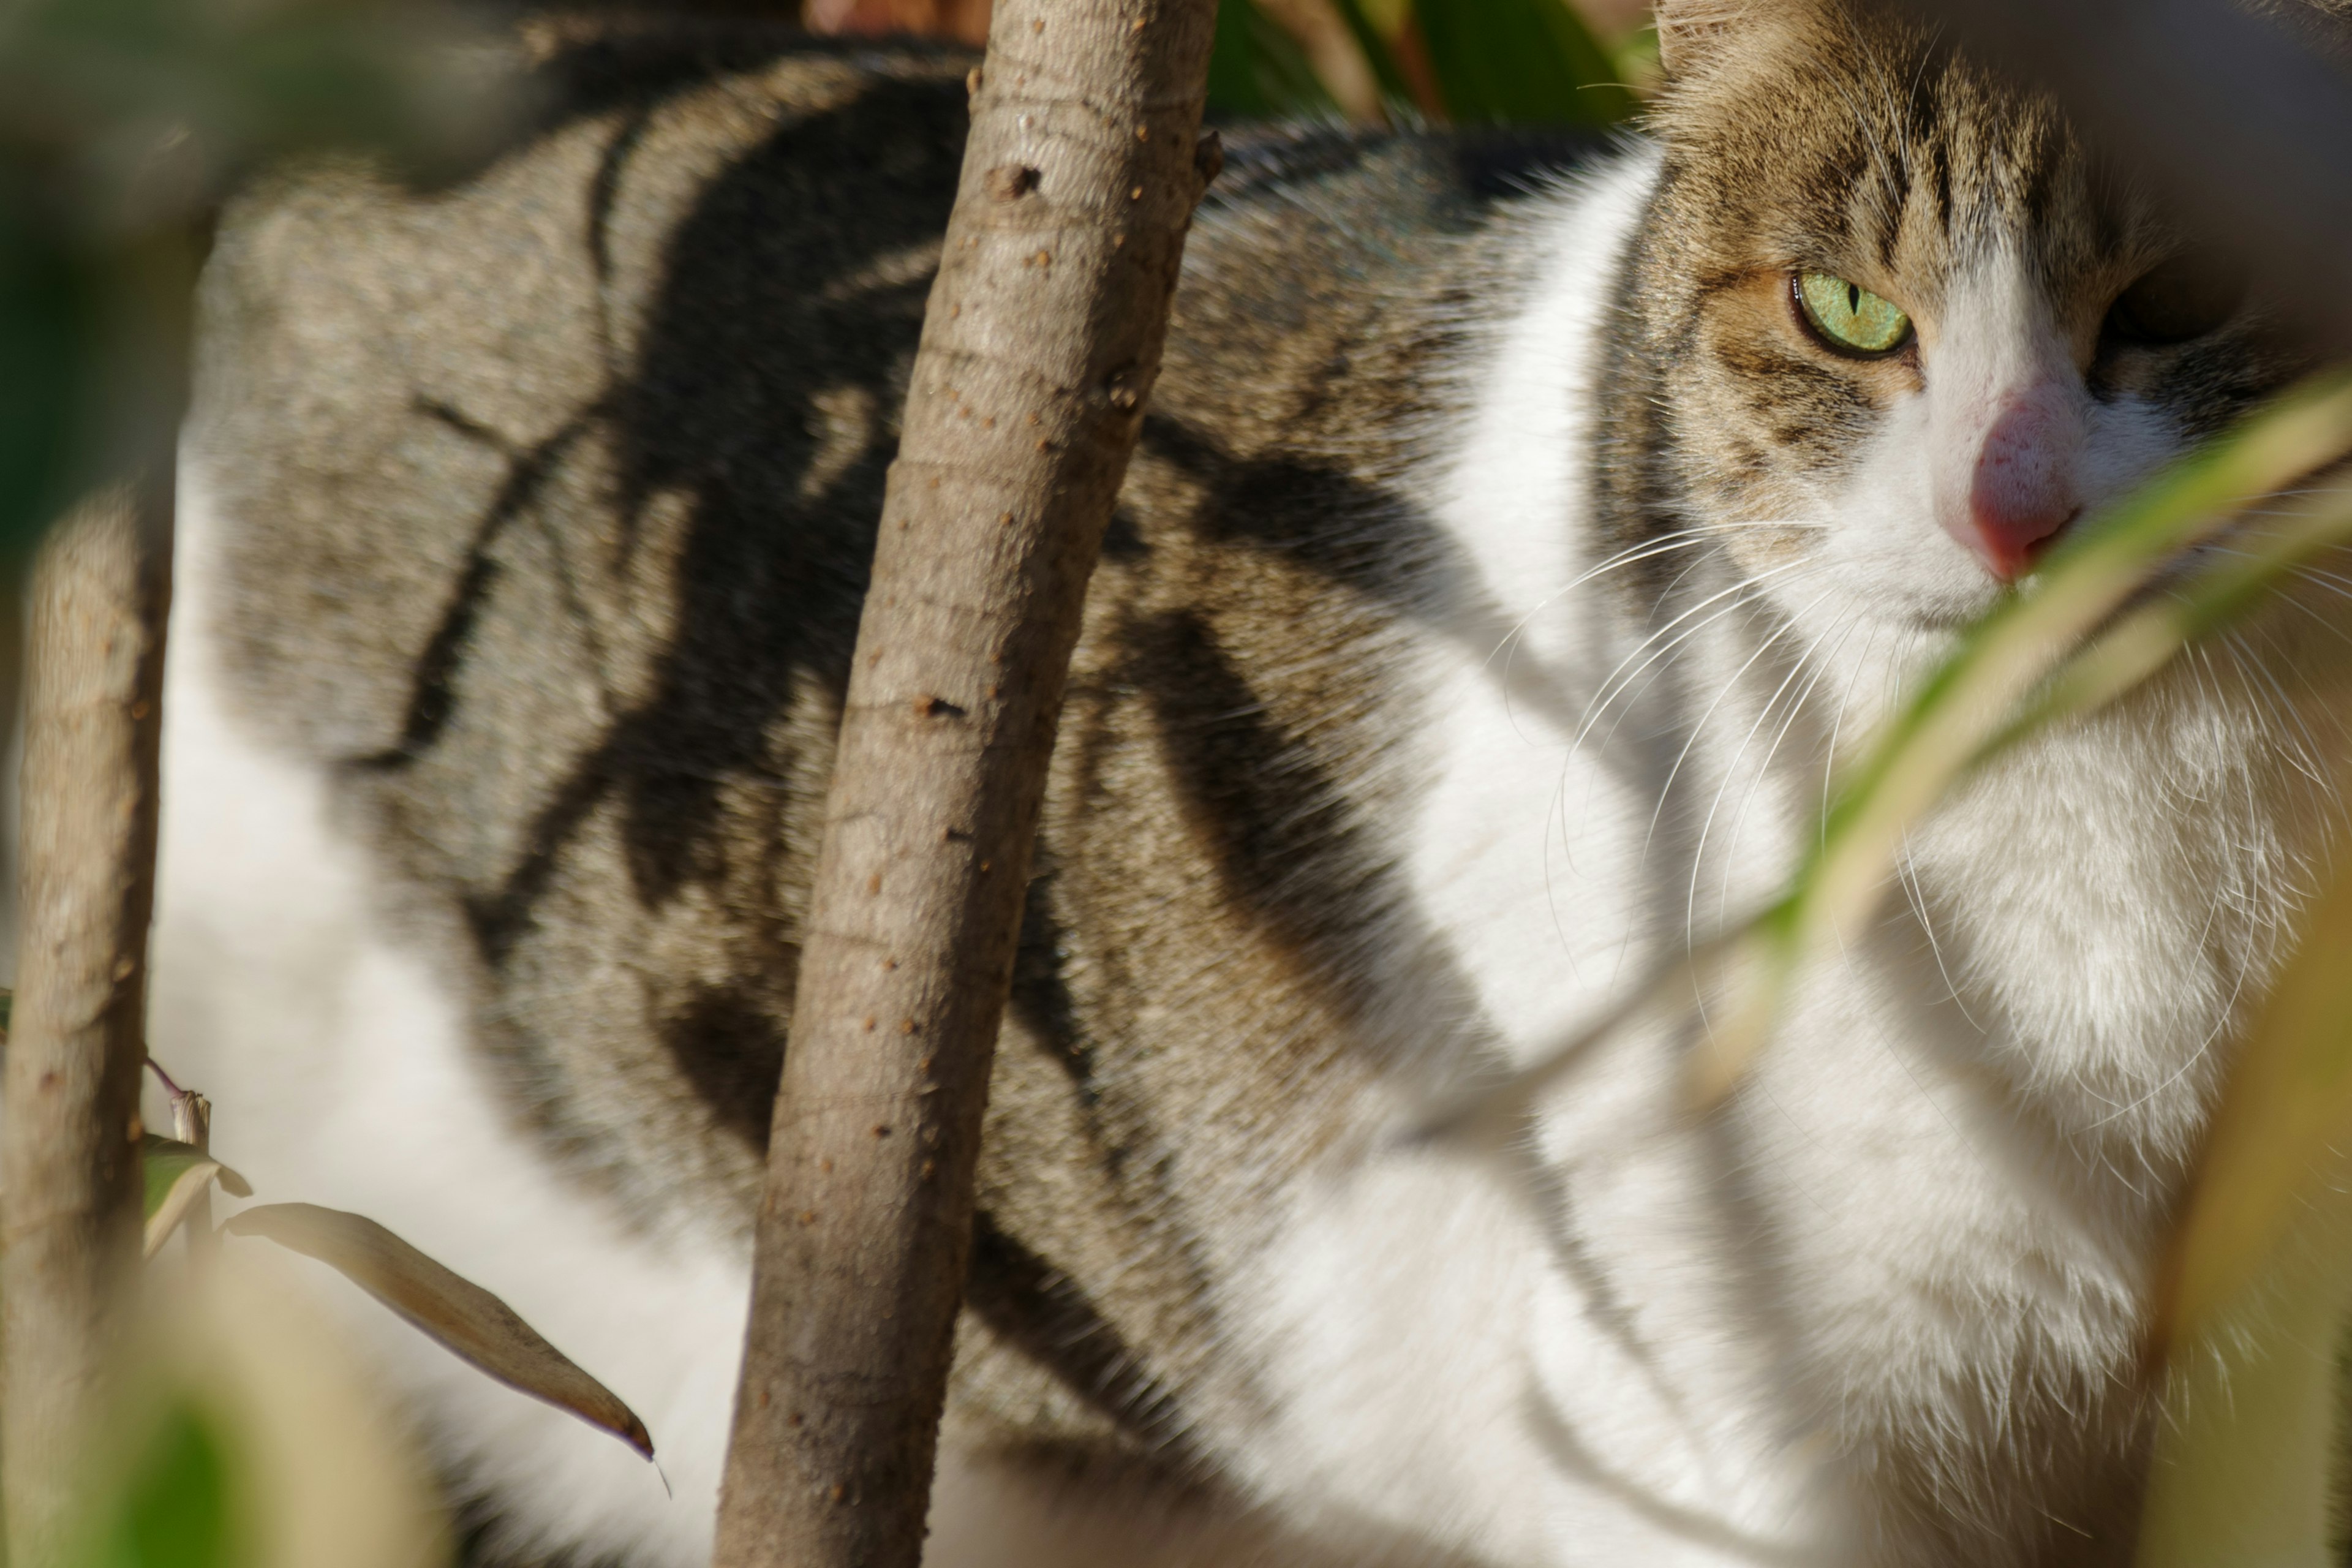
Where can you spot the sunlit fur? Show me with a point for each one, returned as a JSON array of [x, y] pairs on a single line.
[[1502, 571]]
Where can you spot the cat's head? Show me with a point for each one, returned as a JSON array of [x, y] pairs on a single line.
[[1894, 300]]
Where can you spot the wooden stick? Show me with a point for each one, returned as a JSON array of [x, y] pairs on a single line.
[[1040, 345], [69, 1150]]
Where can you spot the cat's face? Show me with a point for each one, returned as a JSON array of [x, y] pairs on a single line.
[[1900, 308]]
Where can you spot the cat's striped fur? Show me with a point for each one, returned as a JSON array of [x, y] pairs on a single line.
[[540, 509]]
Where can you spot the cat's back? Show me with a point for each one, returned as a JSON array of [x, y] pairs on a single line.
[[552, 493], [695, 286]]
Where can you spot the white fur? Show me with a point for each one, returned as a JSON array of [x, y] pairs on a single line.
[[1654, 1371]]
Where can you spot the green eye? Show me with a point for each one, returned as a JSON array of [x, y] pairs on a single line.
[[1849, 315]]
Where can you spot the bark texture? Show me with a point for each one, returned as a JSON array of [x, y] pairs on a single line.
[[68, 1152], [1041, 340]]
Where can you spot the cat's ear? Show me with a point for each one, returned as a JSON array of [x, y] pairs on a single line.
[[1691, 32]]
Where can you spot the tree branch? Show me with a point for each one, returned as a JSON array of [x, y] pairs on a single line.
[[69, 1151], [1040, 345]]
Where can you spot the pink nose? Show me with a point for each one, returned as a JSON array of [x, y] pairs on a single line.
[[2023, 490]]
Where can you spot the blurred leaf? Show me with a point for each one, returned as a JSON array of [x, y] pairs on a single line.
[[1520, 62], [1966, 710], [461, 1314], [1987, 695], [176, 1512], [122, 123], [49, 351], [2288, 1101], [1379, 54], [1636, 54], [1257, 70], [2240, 1474], [159, 101], [2207, 601]]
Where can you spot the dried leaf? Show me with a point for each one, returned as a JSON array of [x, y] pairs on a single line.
[[174, 1174], [466, 1319]]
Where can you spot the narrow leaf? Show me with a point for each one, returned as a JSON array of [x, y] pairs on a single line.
[[1520, 62], [2143, 641], [1967, 707], [1257, 70], [2010, 673], [466, 1319]]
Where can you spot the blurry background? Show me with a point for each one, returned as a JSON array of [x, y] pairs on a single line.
[[1368, 60]]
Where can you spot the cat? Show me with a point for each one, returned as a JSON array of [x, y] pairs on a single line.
[[1521, 530]]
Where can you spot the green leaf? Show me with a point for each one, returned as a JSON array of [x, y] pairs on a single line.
[[463, 1316], [1257, 71], [176, 1512], [163, 1159], [1520, 62], [1966, 710], [49, 327], [2033, 661]]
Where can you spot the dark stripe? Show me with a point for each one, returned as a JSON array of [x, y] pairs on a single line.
[[432, 696], [1041, 1312]]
